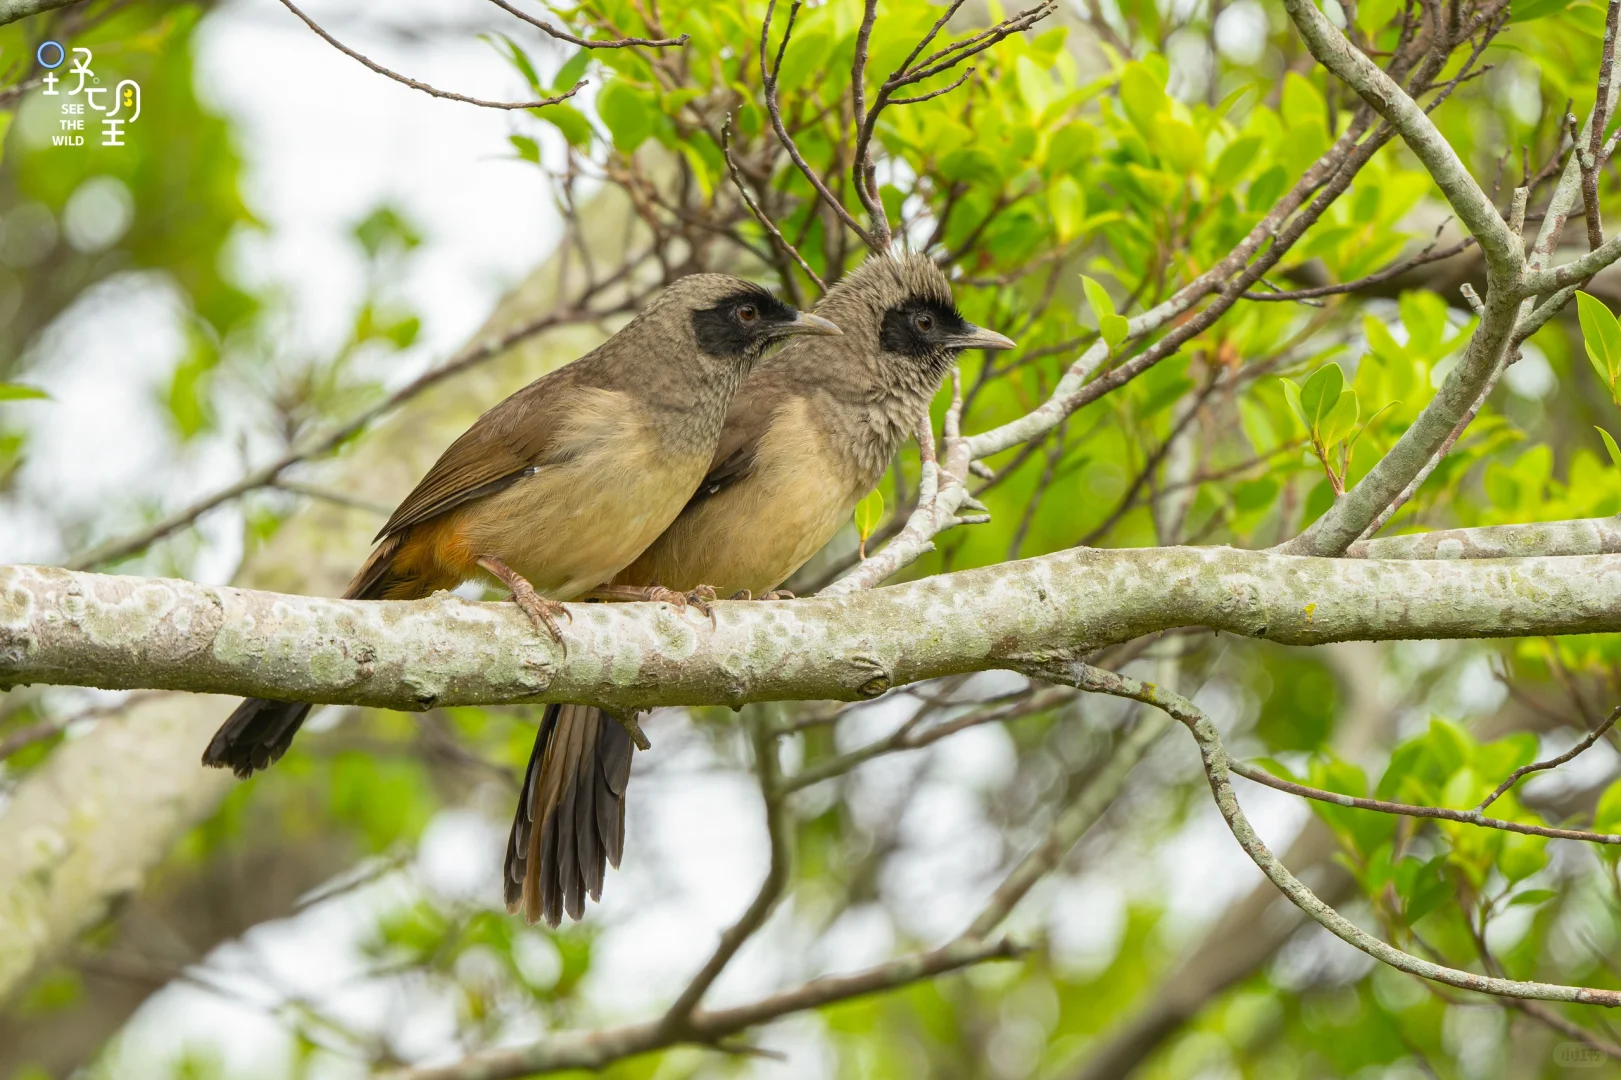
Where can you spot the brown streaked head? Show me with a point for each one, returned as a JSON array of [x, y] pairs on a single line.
[[902, 306]]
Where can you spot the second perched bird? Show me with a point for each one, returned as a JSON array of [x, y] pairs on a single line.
[[561, 485], [810, 433]]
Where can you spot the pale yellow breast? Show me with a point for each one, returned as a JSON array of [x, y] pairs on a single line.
[[571, 526], [757, 532]]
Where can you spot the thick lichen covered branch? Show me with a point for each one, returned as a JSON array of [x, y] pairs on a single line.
[[65, 627]]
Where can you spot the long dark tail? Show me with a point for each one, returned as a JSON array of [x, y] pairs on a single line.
[[259, 731], [255, 736], [571, 814]]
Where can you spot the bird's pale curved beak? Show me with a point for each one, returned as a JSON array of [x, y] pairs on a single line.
[[806, 323], [977, 337]]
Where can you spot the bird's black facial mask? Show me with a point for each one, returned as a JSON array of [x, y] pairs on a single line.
[[921, 329], [741, 324]]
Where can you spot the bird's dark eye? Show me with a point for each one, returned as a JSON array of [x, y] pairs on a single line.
[[747, 314], [923, 321]]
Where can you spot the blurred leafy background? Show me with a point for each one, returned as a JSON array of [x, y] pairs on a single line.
[[288, 239]]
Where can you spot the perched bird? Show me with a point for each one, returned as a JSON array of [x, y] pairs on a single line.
[[562, 485], [809, 434]]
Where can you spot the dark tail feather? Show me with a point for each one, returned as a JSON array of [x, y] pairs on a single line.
[[571, 814], [259, 732], [255, 735]]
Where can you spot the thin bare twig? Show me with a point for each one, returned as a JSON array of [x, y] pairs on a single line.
[[773, 106], [1395, 269], [563, 35], [1554, 762], [422, 86], [678, 1019], [1466, 817], [765, 222]]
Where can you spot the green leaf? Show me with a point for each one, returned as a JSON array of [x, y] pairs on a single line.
[[1291, 394], [1234, 162], [1533, 896], [573, 70], [1265, 189], [1341, 420], [1607, 815], [1302, 104], [806, 58], [626, 113], [969, 163], [528, 149], [520, 60], [19, 392], [1098, 298], [1255, 494], [1321, 396], [1602, 336], [1115, 329], [1142, 95], [568, 120], [385, 227], [1066, 202], [869, 512], [1536, 9], [402, 332], [1521, 855], [1609, 444], [1422, 885], [1035, 84]]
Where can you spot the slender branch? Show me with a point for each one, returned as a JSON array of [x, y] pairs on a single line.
[[967, 74], [768, 89], [563, 35], [1466, 817], [598, 1049], [907, 737], [12, 10], [1554, 762], [1589, 157], [422, 86], [1217, 765], [679, 1018], [1504, 256], [765, 222], [1395, 269], [11, 93], [1582, 536], [1074, 823], [24, 737], [861, 166]]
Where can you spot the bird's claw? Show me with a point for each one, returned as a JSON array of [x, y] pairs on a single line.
[[699, 598], [774, 594], [541, 611]]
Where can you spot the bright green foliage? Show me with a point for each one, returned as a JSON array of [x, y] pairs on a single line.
[[869, 514], [1074, 181]]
